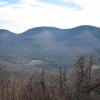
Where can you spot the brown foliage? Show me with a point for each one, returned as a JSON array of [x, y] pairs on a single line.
[[47, 86]]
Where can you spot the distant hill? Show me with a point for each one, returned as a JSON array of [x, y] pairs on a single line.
[[49, 44]]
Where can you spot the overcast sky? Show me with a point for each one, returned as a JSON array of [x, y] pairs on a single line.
[[20, 15]]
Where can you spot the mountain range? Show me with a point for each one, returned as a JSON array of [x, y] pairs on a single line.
[[49, 44]]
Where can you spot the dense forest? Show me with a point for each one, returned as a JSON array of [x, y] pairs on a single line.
[[82, 82]]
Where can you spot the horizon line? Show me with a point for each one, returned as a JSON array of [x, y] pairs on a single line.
[[49, 27]]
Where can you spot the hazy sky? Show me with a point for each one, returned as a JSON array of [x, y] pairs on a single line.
[[20, 15]]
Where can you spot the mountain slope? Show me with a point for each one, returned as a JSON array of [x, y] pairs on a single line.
[[49, 44]]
